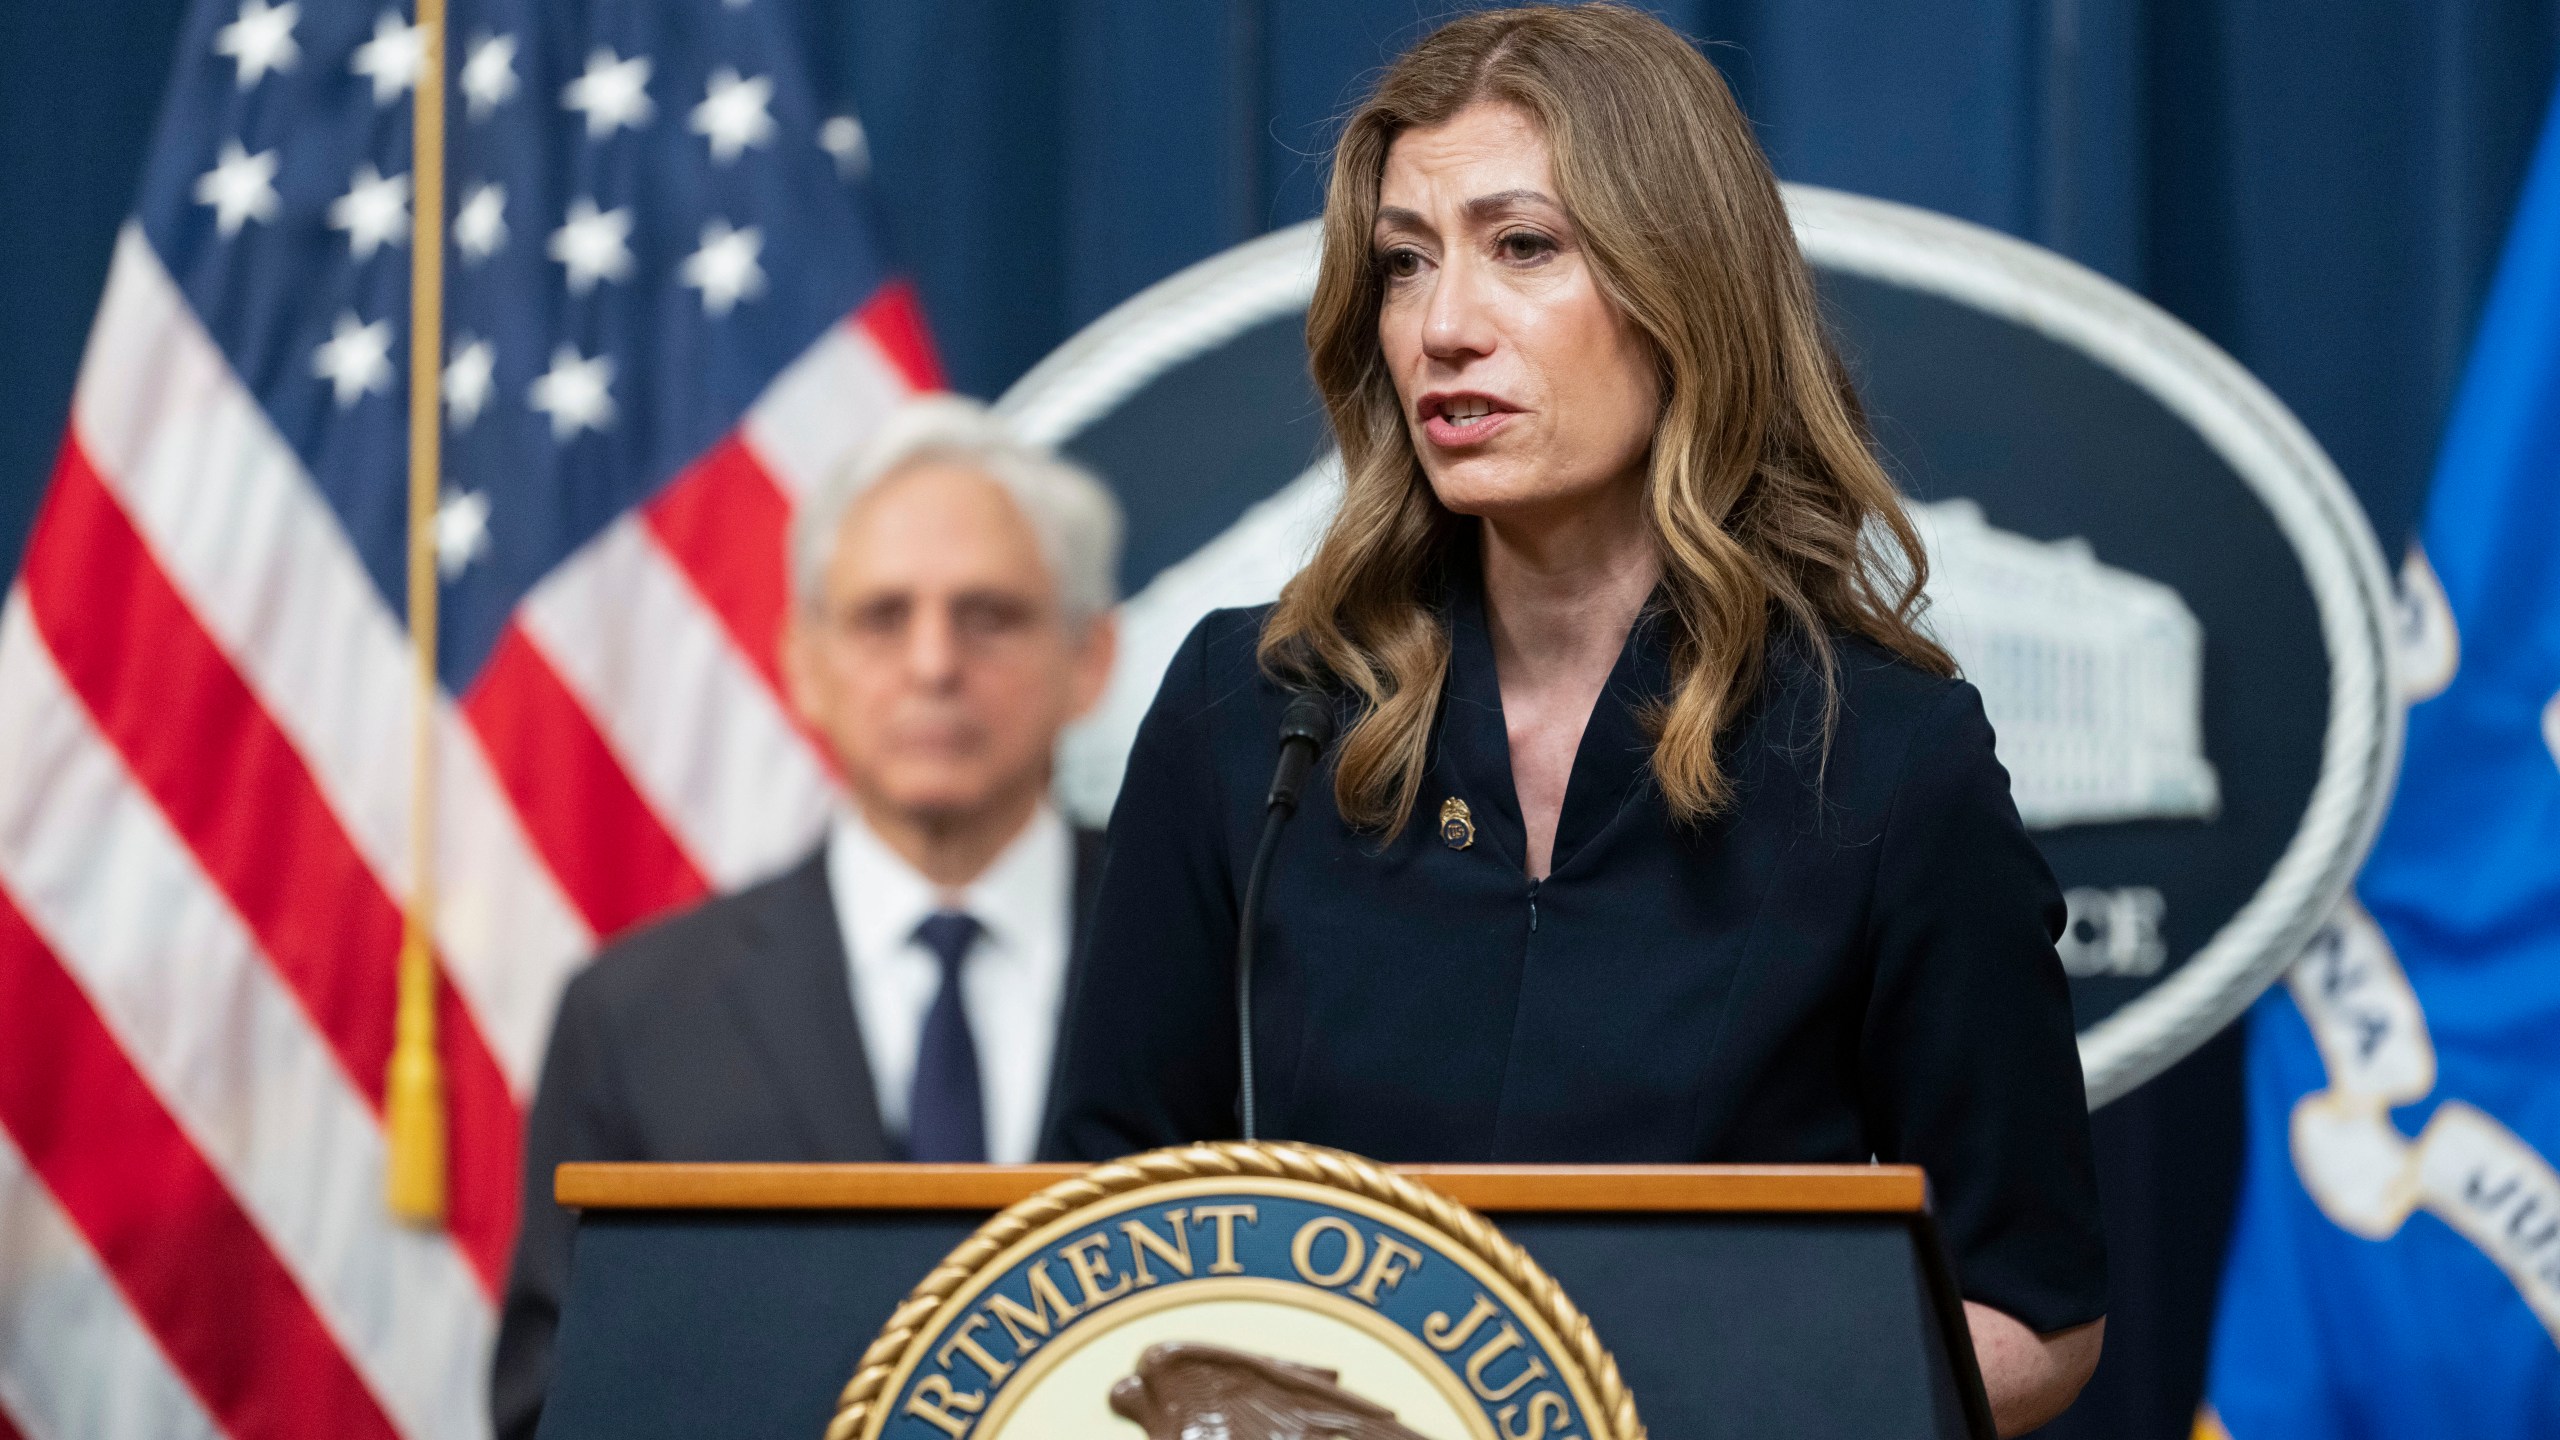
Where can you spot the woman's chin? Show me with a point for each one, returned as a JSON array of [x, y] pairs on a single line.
[[1508, 495], [1476, 484]]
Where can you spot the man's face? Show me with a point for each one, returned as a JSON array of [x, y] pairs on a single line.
[[937, 663]]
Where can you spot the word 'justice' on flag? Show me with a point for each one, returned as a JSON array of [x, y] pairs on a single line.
[[664, 313]]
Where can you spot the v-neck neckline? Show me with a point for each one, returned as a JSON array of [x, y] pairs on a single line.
[[1610, 761]]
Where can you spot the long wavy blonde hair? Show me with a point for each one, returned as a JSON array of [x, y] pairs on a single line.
[[1764, 494]]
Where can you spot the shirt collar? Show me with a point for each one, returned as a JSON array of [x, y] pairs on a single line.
[[1018, 893]]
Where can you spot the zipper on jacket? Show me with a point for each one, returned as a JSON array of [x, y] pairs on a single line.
[[1533, 905]]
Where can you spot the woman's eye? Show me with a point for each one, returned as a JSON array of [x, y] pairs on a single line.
[[1400, 264], [1525, 245]]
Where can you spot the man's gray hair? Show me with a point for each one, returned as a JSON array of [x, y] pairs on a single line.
[[1073, 514]]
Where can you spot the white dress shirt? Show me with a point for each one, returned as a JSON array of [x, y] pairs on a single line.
[[1013, 983]]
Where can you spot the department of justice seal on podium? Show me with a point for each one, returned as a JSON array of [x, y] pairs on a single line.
[[1242, 1292]]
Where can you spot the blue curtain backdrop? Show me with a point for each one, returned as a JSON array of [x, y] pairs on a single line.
[[2320, 187]]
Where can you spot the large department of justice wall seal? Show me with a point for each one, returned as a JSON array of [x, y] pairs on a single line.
[[1246, 1291]]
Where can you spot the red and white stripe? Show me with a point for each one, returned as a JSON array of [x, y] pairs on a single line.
[[714, 755], [148, 941], [225, 508], [204, 852], [74, 1358]]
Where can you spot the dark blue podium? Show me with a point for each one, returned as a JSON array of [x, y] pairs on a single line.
[[1740, 1301]]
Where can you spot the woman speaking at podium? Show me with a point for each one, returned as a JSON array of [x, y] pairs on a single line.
[[1655, 831]]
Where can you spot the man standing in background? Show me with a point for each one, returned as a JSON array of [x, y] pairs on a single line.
[[895, 995]]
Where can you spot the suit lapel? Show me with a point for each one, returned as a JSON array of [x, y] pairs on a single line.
[[1088, 883], [792, 991], [1087, 880]]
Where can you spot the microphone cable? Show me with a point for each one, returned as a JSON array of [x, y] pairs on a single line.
[[1306, 727]]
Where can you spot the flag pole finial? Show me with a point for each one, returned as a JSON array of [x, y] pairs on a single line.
[[414, 1108]]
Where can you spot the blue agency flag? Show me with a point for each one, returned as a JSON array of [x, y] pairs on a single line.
[[2395, 1267]]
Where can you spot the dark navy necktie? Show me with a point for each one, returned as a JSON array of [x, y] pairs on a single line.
[[947, 1116]]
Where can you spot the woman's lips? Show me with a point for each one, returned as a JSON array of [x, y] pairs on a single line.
[[1451, 434]]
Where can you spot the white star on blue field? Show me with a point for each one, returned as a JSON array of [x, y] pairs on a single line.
[[646, 218]]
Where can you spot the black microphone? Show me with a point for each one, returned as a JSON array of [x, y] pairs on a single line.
[[1306, 727]]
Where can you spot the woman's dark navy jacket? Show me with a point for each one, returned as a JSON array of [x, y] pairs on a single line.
[[1854, 960]]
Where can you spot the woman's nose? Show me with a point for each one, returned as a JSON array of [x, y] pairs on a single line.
[[1455, 324]]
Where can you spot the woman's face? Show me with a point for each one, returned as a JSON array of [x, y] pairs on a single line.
[[1524, 389]]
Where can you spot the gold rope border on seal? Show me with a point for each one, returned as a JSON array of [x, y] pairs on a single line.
[[1243, 1160]]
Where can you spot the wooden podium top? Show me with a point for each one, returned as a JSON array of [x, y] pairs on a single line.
[[1748, 1189]]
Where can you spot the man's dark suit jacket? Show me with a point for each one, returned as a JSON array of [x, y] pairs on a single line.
[[725, 1033]]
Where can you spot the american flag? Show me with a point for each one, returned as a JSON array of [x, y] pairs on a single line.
[[666, 314]]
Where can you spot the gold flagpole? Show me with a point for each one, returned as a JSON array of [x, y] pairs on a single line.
[[415, 1117]]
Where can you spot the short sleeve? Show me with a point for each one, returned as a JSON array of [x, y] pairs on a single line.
[[1148, 1054], [1970, 1062]]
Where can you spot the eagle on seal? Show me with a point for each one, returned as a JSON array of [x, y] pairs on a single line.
[[1185, 1391]]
